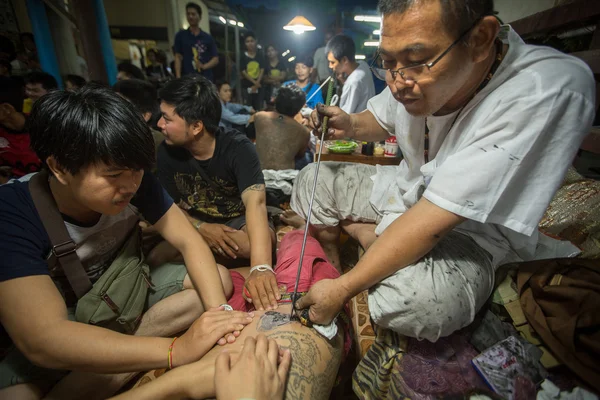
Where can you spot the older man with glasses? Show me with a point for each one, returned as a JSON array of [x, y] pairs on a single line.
[[487, 126]]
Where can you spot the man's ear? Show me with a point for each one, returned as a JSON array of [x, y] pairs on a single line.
[[147, 115], [483, 38], [197, 128], [60, 173]]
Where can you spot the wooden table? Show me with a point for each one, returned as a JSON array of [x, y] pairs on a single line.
[[360, 158]]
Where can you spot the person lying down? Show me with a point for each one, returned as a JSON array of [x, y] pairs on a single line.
[[315, 360]]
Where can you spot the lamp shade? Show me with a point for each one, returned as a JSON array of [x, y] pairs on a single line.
[[299, 25]]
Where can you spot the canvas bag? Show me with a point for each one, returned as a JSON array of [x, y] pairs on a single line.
[[117, 300]]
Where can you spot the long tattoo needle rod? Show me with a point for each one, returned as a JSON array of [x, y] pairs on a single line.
[[312, 195]]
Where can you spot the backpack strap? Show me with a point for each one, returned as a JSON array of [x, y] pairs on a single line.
[[63, 247]]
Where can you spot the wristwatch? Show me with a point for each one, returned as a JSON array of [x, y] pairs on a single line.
[[227, 307]]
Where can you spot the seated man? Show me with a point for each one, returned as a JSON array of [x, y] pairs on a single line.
[[16, 157], [280, 137], [282, 143], [488, 126], [304, 70], [315, 359], [95, 148], [354, 75], [214, 175], [232, 113]]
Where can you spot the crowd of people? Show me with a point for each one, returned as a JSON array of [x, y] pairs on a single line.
[[163, 178]]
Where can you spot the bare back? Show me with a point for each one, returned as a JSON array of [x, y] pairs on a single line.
[[279, 139]]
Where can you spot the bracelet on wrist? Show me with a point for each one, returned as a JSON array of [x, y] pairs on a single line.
[[261, 268], [170, 354], [197, 224]]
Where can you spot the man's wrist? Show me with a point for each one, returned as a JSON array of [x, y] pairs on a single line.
[[348, 289], [197, 224], [352, 133]]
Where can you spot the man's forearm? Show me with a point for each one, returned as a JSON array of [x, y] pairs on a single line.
[[366, 128], [177, 66], [212, 63], [77, 346], [259, 234], [405, 241], [203, 271]]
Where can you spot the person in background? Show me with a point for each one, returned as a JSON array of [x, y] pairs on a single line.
[[195, 50], [29, 56], [144, 96], [304, 69], [37, 84], [5, 68], [231, 113], [322, 70], [16, 157], [155, 69], [253, 68], [275, 74], [129, 71], [357, 77], [74, 82]]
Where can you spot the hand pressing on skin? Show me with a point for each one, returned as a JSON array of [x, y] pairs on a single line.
[[206, 331], [218, 240], [324, 301], [259, 373], [263, 289]]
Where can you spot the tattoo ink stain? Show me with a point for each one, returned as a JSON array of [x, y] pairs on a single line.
[[469, 204], [271, 320], [513, 158], [482, 149], [406, 302], [501, 148]]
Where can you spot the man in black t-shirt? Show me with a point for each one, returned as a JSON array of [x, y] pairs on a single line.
[[214, 175]]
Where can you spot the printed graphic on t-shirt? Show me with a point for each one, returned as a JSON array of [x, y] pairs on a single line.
[[253, 69], [219, 199], [197, 50]]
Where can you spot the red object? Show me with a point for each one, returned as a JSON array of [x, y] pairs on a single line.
[[391, 147], [15, 153]]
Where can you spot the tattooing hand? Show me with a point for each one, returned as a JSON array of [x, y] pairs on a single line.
[[326, 299], [339, 125], [260, 371], [218, 240], [263, 289], [207, 331]]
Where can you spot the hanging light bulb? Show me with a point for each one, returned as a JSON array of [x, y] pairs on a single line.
[[299, 25]]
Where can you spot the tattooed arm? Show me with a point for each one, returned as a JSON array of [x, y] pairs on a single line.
[[257, 225]]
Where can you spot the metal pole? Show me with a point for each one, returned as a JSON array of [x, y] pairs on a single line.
[[227, 74], [43, 39], [105, 41], [238, 60]]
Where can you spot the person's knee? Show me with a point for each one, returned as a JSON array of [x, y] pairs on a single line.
[[162, 253], [420, 315], [226, 281]]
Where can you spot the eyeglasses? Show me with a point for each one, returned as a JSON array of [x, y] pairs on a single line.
[[414, 73]]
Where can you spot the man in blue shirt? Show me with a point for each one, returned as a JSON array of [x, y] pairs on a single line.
[[304, 69], [195, 51]]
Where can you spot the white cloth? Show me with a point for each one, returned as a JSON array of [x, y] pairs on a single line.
[[281, 179], [504, 158], [549, 391], [357, 90]]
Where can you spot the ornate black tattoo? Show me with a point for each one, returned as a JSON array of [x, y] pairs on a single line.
[[306, 380], [257, 188], [271, 320]]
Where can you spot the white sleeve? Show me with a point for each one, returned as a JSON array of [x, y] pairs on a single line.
[[384, 109], [508, 167]]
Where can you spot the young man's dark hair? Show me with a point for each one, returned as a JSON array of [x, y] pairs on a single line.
[[249, 34], [12, 92], [131, 70], [195, 7], [195, 98], [457, 15], [220, 84], [76, 80], [91, 125], [142, 94], [290, 100], [46, 80], [28, 35], [305, 59], [341, 46]]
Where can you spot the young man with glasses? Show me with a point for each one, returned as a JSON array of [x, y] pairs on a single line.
[[487, 126]]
